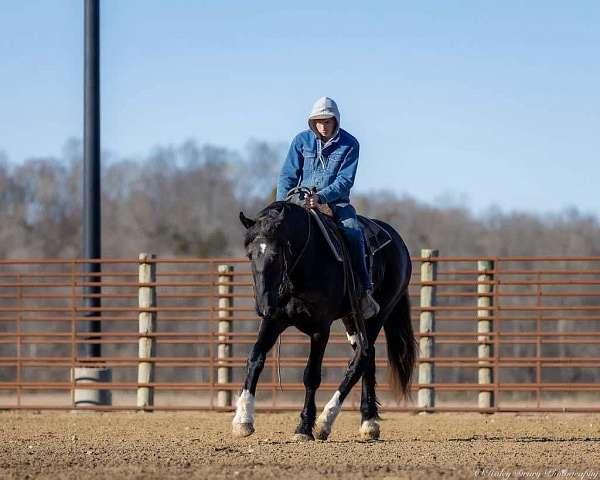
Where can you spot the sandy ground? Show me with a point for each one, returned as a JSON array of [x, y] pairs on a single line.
[[198, 445]]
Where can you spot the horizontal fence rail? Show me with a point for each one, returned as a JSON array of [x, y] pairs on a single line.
[[495, 334]]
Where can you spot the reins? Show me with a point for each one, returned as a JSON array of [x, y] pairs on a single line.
[[304, 247]]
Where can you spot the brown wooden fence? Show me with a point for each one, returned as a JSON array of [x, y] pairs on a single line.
[[496, 334]]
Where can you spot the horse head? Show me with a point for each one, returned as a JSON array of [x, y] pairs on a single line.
[[266, 244]]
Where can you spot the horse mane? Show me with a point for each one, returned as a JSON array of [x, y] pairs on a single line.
[[268, 221]]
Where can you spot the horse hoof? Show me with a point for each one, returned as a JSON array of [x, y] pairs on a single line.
[[322, 431], [242, 429], [369, 430], [303, 437]]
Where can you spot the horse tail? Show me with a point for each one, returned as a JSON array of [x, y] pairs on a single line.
[[401, 347]]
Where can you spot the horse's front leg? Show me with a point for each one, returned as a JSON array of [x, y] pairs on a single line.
[[312, 381], [243, 421]]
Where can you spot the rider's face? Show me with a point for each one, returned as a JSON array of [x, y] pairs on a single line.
[[325, 127]]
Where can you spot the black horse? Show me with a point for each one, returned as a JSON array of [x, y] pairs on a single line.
[[298, 282]]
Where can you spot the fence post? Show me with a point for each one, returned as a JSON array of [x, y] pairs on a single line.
[[484, 325], [426, 395], [224, 372], [147, 327]]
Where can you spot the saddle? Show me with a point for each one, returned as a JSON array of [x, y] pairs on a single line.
[[375, 236]]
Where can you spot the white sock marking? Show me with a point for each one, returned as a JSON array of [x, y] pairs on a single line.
[[353, 339], [331, 410], [244, 412]]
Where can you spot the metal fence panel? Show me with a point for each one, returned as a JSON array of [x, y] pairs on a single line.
[[510, 334]]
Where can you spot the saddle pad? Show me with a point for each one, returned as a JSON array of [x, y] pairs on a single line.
[[376, 237]]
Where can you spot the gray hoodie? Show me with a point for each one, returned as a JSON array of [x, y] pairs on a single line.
[[324, 107]]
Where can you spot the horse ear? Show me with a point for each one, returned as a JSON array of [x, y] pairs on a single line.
[[246, 222]]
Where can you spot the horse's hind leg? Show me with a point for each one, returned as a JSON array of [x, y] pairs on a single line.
[[243, 421], [332, 409], [369, 427], [355, 369], [312, 381]]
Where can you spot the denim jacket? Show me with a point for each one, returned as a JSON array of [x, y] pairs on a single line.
[[331, 169]]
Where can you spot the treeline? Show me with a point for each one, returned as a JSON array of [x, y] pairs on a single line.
[[184, 201]]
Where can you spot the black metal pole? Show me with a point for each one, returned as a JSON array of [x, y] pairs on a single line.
[[91, 171]]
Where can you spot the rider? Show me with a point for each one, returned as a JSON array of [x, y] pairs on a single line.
[[326, 157]]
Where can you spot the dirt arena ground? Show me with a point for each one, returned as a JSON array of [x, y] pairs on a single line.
[[198, 445]]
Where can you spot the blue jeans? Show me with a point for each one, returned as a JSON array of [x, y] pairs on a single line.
[[345, 215]]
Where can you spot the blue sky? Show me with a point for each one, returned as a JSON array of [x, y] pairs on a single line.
[[474, 102]]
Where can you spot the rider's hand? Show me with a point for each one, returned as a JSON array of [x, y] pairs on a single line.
[[312, 201]]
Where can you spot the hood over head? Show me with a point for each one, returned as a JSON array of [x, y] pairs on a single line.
[[324, 107]]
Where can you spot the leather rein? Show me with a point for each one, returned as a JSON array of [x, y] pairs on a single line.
[[287, 283]]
